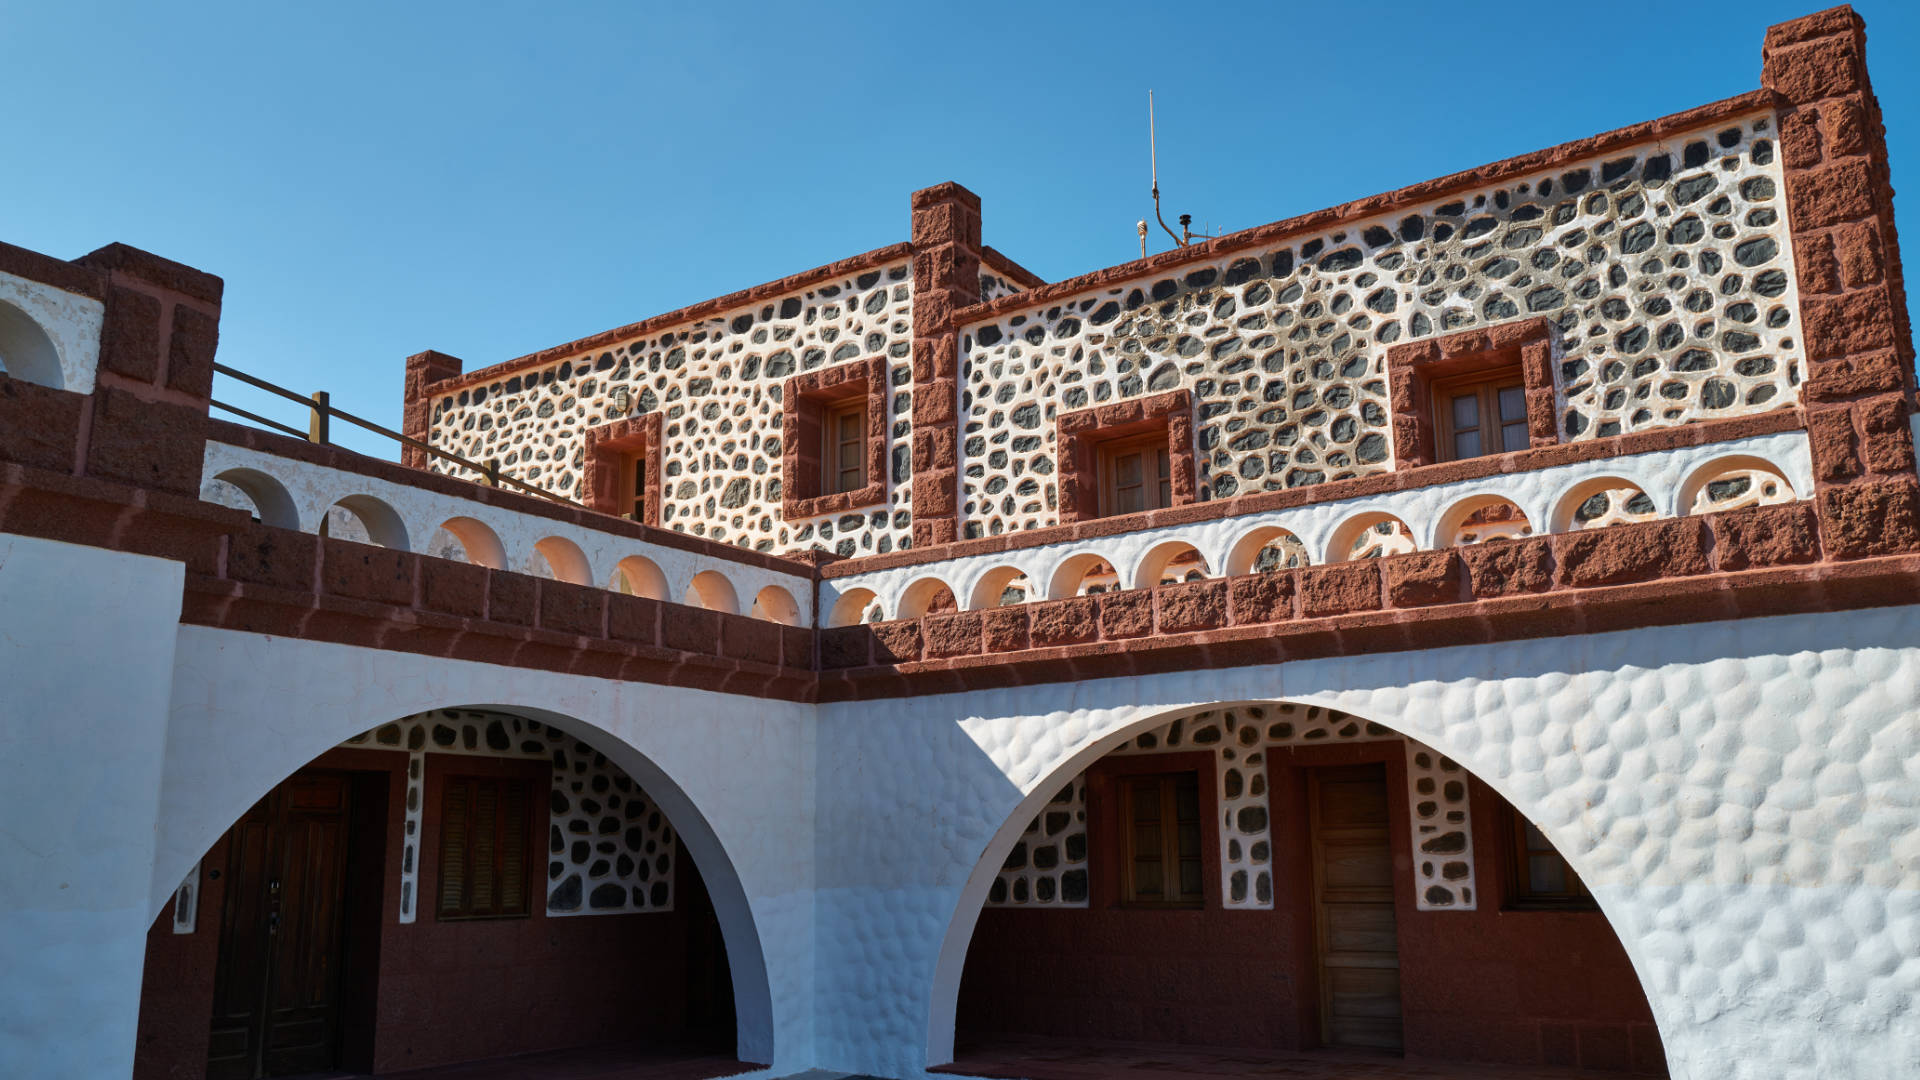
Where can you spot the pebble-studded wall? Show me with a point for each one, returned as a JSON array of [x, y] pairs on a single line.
[[1049, 865], [718, 382], [1666, 270], [609, 848]]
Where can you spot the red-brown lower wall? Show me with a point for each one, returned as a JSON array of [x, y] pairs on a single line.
[[1526, 987], [447, 992]]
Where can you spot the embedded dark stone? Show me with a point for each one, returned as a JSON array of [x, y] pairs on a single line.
[[1237, 886], [1756, 251], [1046, 858], [1447, 843], [566, 897], [607, 895], [1073, 886], [1076, 845], [1439, 897], [1252, 819], [1017, 858], [657, 895]]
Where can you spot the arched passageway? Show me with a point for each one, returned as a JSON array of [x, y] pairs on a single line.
[[1295, 882], [451, 886]]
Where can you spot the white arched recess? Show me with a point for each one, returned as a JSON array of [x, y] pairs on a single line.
[[248, 710], [1727, 790]]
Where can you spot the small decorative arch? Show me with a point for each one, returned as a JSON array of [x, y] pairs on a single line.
[[1602, 500], [1266, 549], [563, 558], [928, 595], [1170, 563], [1479, 518], [854, 607], [1370, 535], [475, 541], [272, 505], [710, 589], [776, 604], [1733, 483], [1082, 575], [380, 522], [26, 352], [999, 587], [637, 575]]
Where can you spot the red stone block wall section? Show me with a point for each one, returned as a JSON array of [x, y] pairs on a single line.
[[946, 278], [1853, 307]]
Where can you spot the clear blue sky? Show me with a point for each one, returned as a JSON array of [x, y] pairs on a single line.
[[376, 179]]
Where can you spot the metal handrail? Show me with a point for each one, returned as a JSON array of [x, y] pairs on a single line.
[[321, 411]]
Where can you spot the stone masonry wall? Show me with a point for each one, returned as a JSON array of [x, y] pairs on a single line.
[[1666, 270], [717, 380]]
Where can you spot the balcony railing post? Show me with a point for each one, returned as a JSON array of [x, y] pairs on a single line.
[[317, 421], [493, 472]]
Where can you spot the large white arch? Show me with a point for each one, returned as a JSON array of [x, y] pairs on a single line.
[[220, 760], [27, 351]]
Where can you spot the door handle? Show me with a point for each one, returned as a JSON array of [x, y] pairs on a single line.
[[273, 923]]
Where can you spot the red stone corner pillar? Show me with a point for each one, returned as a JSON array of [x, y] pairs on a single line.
[[148, 422], [946, 278], [1853, 307], [424, 369]]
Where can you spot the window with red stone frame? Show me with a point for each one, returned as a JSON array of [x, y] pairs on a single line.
[[623, 468], [819, 408], [1091, 443], [1453, 396]]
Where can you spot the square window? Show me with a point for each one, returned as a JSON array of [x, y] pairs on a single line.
[[1127, 457], [1160, 814], [623, 468], [485, 828], [834, 430], [1473, 394]]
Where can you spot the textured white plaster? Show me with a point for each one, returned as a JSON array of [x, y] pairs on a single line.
[[417, 514], [86, 656], [1539, 493], [72, 324], [1740, 796], [248, 710]]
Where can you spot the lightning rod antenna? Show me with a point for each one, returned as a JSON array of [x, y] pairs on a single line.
[[1153, 150]]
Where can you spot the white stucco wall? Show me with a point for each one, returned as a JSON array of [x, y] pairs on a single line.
[[86, 657], [1741, 797]]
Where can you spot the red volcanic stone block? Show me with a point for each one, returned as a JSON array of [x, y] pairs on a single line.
[[1196, 605], [1832, 22], [190, 351], [130, 340], [1260, 598], [1819, 265], [896, 641], [1859, 253], [510, 597], [1888, 442], [572, 609], [1853, 376], [282, 558], [633, 618], [1824, 68], [39, 426], [152, 444], [1765, 536], [1860, 321], [1423, 577], [1340, 588], [1004, 629], [1064, 622], [453, 588], [365, 572], [1870, 518], [952, 634], [1828, 196], [846, 647], [796, 647], [1615, 554], [691, 629], [1830, 438], [1126, 614], [1509, 567], [745, 638]]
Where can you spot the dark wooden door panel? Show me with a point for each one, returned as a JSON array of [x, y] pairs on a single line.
[[1358, 942], [277, 991]]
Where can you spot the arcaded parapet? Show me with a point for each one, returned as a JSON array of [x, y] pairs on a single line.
[[1665, 269], [717, 381]]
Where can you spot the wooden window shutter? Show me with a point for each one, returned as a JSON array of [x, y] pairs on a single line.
[[483, 848]]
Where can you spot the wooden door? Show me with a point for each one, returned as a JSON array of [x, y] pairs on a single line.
[[276, 992], [1353, 907]]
